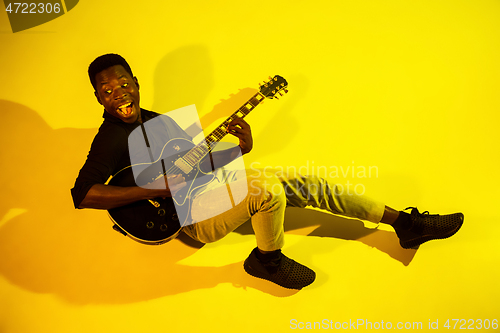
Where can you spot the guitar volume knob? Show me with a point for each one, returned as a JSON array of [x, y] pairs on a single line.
[[150, 224]]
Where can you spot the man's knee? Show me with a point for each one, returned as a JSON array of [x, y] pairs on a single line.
[[267, 187]]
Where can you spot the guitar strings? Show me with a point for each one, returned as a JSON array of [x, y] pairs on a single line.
[[218, 134], [200, 151]]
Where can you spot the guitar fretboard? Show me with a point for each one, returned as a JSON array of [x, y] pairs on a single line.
[[197, 153]]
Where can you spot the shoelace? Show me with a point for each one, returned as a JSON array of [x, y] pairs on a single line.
[[423, 213], [418, 223]]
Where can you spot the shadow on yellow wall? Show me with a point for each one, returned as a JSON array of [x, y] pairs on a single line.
[[46, 246]]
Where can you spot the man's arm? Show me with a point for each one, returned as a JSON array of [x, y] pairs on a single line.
[[102, 196]]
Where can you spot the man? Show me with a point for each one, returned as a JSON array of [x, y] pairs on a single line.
[[117, 90]]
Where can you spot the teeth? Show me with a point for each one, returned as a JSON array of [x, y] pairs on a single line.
[[125, 105]]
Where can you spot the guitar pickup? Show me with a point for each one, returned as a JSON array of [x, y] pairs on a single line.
[[183, 165]]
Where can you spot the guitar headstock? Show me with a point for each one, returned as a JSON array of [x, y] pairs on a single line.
[[276, 85]]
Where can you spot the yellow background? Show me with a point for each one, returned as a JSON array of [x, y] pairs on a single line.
[[410, 87]]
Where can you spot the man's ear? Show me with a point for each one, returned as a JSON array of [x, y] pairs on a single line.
[[97, 96], [136, 82]]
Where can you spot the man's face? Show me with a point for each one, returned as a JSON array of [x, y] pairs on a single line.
[[118, 92]]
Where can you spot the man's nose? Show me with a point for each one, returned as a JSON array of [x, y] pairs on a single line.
[[119, 93]]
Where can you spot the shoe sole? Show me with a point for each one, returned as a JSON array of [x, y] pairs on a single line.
[[414, 243]]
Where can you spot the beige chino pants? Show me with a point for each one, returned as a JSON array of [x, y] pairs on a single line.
[[262, 196]]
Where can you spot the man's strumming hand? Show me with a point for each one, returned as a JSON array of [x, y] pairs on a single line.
[[167, 187]]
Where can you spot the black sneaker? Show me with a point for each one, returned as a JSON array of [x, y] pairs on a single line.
[[426, 227], [283, 271]]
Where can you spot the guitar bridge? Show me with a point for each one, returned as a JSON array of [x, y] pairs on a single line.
[[183, 165]]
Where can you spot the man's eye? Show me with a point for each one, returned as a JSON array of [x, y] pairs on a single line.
[[108, 91], [125, 85]]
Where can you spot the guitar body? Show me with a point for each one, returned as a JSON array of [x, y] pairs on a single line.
[[160, 220]]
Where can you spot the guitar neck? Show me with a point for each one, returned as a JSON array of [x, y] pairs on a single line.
[[197, 153]]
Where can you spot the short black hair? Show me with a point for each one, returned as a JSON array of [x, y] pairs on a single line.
[[105, 61]]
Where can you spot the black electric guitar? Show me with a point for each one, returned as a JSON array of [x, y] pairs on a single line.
[[157, 221]]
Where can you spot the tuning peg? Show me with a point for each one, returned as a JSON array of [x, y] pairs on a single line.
[[270, 78], [286, 90]]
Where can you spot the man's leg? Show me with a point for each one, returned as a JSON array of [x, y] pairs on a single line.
[[317, 192], [412, 229], [215, 214], [390, 216], [263, 201]]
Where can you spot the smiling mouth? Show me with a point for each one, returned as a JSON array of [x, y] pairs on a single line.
[[125, 109]]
